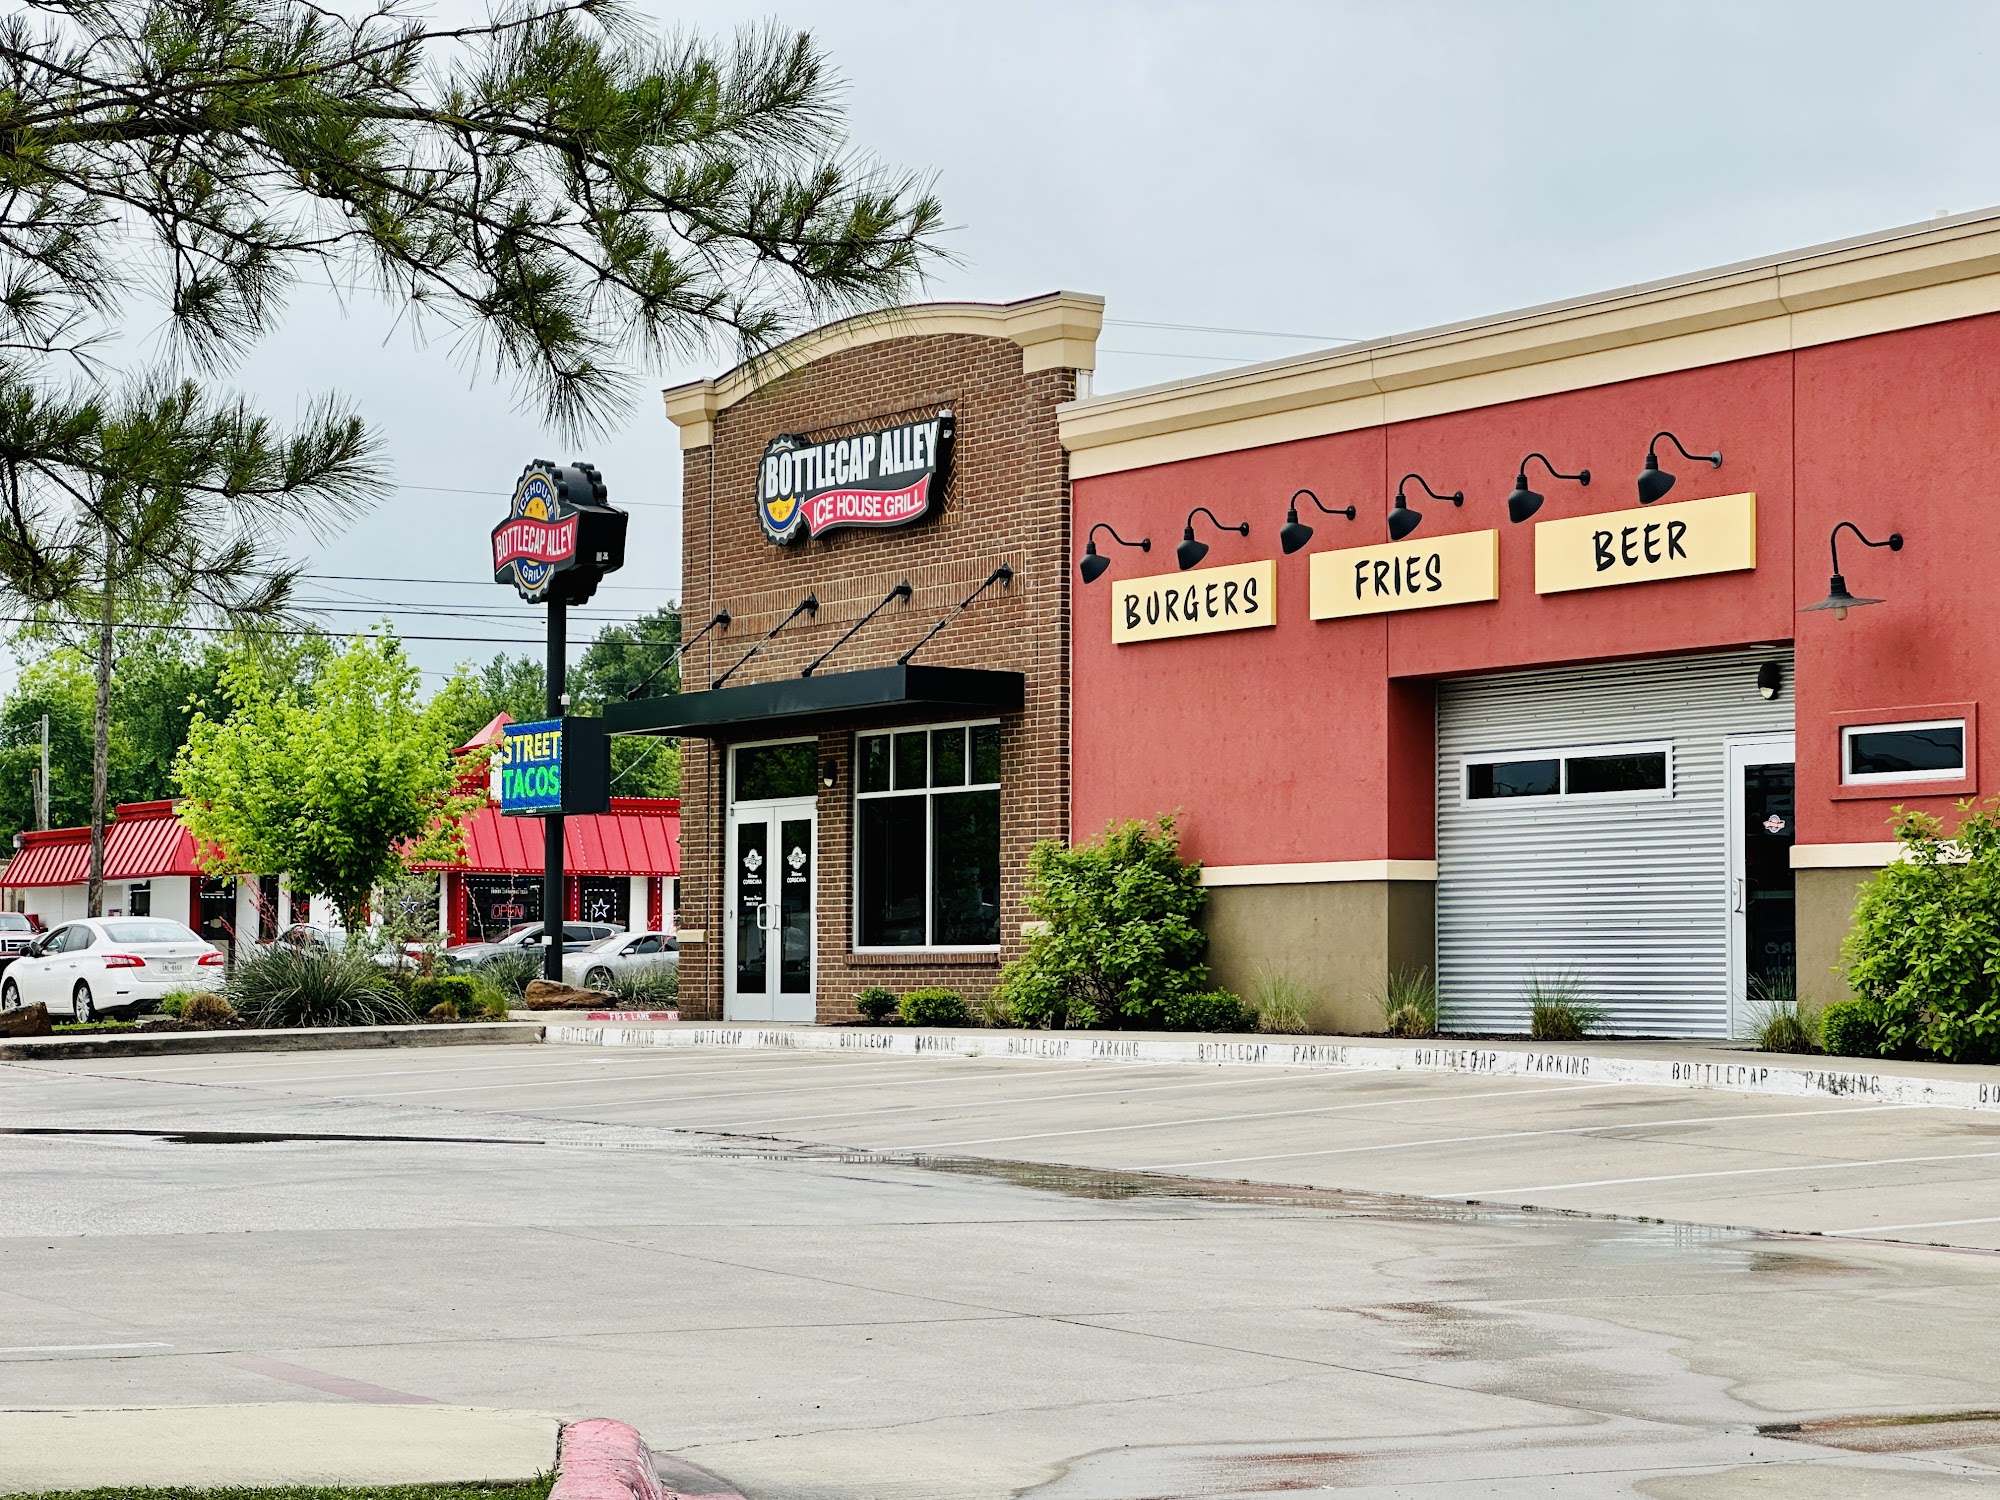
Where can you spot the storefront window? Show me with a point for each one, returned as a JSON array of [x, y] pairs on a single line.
[[139, 898], [1929, 751], [927, 845], [1631, 771], [764, 772]]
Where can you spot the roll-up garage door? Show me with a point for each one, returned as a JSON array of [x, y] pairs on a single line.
[[1581, 832]]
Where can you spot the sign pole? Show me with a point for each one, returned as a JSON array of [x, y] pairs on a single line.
[[554, 908]]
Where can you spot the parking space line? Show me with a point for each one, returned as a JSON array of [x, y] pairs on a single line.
[[1928, 1224], [1276, 1114], [1521, 1135], [1826, 1166]]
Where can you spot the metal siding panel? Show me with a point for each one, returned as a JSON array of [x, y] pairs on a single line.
[[1629, 896]]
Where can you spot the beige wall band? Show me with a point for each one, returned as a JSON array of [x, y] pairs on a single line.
[[1320, 872], [1845, 856]]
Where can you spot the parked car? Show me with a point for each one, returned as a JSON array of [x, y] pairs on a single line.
[[313, 939], [526, 937], [593, 965], [16, 933], [104, 964]]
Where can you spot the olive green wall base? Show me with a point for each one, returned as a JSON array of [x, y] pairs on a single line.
[[1339, 939], [1825, 912]]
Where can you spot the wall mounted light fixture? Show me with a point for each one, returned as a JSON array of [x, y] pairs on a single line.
[[1294, 534], [1655, 481], [1190, 551], [1402, 519], [1837, 598], [1093, 563], [829, 774], [1524, 502], [1770, 680]]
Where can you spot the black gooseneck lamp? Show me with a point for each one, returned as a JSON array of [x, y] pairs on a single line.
[[1093, 563], [1524, 502], [1655, 481], [1294, 534], [1190, 551], [1837, 598], [1403, 520]]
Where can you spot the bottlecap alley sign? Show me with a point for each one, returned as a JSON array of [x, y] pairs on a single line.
[[1683, 540], [1463, 568], [1243, 596], [558, 526], [888, 476]]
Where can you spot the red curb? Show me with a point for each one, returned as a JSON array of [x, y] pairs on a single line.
[[600, 1459]]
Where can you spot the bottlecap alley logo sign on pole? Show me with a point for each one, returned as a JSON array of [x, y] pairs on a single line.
[[558, 530], [887, 476]]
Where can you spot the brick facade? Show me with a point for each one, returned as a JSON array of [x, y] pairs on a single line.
[[1007, 501]]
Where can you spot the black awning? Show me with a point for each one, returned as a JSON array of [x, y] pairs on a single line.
[[838, 700]]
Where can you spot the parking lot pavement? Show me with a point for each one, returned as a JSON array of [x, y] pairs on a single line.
[[844, 1277]]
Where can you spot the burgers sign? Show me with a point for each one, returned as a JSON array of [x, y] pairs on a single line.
[[885, 476]]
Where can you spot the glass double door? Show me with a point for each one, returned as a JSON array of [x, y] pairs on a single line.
[[769, 920]]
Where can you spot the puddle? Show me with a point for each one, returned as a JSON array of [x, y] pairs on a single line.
[[261, 1137]]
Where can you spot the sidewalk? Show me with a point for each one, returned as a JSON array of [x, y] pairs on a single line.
[[1733, 1067], [277, 1443]]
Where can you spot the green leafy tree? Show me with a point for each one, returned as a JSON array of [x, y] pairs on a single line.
[[58, 684], [1924, 950], [630, 661], [1122, 947], [342, 786]]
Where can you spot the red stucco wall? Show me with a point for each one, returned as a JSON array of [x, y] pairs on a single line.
[[1312, 740]]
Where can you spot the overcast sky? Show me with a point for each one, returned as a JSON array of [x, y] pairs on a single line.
[[1327, 170]]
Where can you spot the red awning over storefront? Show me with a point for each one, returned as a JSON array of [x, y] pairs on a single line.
[[144, 839], [639, 836]]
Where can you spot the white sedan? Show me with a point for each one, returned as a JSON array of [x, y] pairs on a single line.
[[109, 963], [592, 966]]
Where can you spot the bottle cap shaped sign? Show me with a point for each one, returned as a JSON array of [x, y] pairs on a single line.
[[560, 537]]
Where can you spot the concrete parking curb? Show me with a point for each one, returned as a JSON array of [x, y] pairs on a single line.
[[599, 1459], [302, 1039], [1702, 1066]]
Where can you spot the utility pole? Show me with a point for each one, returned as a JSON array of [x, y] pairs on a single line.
[[554, 908], [42, 781]]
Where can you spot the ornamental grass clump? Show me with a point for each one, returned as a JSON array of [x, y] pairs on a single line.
[[654, 986], [1120, 943], [286, 986], [510, 973], [1784, 1022], [1409, 1001], [1559, 1009], [1283, 1005]]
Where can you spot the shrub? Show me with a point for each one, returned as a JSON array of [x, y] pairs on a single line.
[[173, 1002], [459, 991], [511, 973], [1558, 1009], [934, 1007], [1211, 1010], [1784, 1023], [207, 1010], [444, 1010], [1409, 1001], [1924, 949], [1850, 1028], [653, 986], [489, 999], [285, 986], [876, 1004], [1120, 945], [1282, 1004]]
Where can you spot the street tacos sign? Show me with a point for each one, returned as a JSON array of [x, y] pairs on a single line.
[[884, 476]]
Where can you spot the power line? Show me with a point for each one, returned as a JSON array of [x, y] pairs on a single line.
[[445, 489], [463, 583]]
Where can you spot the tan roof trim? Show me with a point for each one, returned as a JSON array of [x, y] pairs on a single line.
[[1902, 278], [1057, 331]]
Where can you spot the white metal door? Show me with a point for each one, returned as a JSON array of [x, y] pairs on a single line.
[[1628, 895], [1759, 836], [768, 920]]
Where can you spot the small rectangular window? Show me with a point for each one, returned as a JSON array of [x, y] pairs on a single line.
[[1586, 775], [874, 759], [986, 755], [139, 898], [1513, 778], [1931, 751], [910, 758], [764, 772], [947, 757]]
